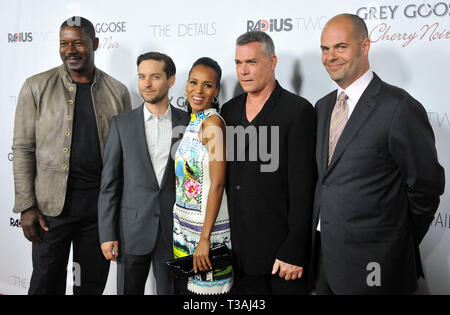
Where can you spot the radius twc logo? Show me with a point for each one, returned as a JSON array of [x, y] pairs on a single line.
[[287, 24], [28, 37], [22, 37], [270, 25]]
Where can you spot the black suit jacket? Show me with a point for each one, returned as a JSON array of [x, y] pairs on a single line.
[[379, 194], [131, 203], [270, 211]]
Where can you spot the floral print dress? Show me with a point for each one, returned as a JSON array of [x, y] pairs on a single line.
[[192, 188]]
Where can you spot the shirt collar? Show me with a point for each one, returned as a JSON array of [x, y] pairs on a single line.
[[357, 88], [149, 115]]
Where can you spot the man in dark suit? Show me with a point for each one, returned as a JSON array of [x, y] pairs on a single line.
[[269, 195], [379, 179], [138, 182]]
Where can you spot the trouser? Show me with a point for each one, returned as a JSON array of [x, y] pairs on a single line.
[[267, 285], [50, 256], [322, 287], [133, 270]]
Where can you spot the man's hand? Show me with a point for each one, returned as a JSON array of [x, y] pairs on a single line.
[[287, 271], [111, 250], [31, 219]]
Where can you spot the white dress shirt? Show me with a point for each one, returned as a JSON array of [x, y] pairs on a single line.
[[354, 92], [158, 133]]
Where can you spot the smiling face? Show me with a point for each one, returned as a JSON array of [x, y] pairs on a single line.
[[255, 69], [344, 55], [77, 49], [201, 88], [152, 81]]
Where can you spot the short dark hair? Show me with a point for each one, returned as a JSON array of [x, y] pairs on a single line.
[[210, 63], [260, 37], [169, 65], [81, 22]]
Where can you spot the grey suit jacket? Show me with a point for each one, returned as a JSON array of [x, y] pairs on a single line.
[[379, 194], [131, 204]]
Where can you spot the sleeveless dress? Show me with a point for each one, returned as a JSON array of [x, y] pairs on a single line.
[[192, 189]]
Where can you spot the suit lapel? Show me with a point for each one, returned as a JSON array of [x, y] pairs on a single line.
[[362, 110], [141, 143]]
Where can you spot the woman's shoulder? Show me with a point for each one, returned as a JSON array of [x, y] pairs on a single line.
[[214, 120]]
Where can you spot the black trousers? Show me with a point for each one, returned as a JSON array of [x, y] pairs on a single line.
[[267, 285], [322, 286], [50, 257]]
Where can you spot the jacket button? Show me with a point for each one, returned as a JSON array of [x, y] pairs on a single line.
[[70, 102], [64, 166], [69, 117], [238, 187], [67, 133], [66, 150]]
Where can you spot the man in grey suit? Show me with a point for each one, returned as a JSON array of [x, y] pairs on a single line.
[[138, 182], [379, 179]]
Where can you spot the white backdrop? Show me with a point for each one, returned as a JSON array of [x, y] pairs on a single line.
[[411, 47]]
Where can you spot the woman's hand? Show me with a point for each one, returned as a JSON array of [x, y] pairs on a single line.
[[201, 255]]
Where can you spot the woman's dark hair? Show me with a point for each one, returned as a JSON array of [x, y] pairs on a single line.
[[210, 63]]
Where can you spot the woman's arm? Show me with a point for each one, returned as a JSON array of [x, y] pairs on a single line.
[[212, 135]]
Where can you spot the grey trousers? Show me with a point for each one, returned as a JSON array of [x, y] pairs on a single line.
[[133, 270]]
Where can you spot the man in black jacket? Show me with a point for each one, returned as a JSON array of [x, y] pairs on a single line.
[[269, 195]]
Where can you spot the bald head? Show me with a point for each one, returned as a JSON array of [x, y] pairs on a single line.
[[359, 28], [345, 49]]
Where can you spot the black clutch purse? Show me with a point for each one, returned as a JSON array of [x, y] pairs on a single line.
[[183, 267]]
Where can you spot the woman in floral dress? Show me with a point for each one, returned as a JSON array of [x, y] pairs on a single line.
[[200, 213]]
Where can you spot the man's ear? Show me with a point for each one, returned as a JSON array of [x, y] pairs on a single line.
[[274, 60], [172, 80], [366, 46], [96, 43]]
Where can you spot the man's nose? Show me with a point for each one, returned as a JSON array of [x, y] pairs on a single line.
[[147, 80], [243, 70], [70, 48], [332, 55]]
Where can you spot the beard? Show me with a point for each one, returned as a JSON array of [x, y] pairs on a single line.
[[155, 99]]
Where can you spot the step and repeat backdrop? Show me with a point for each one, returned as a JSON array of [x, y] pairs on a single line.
[[410, 48]]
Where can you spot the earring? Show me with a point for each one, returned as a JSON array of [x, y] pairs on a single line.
[[215, 100]]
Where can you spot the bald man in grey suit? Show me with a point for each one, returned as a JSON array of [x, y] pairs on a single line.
[[379, 177]]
